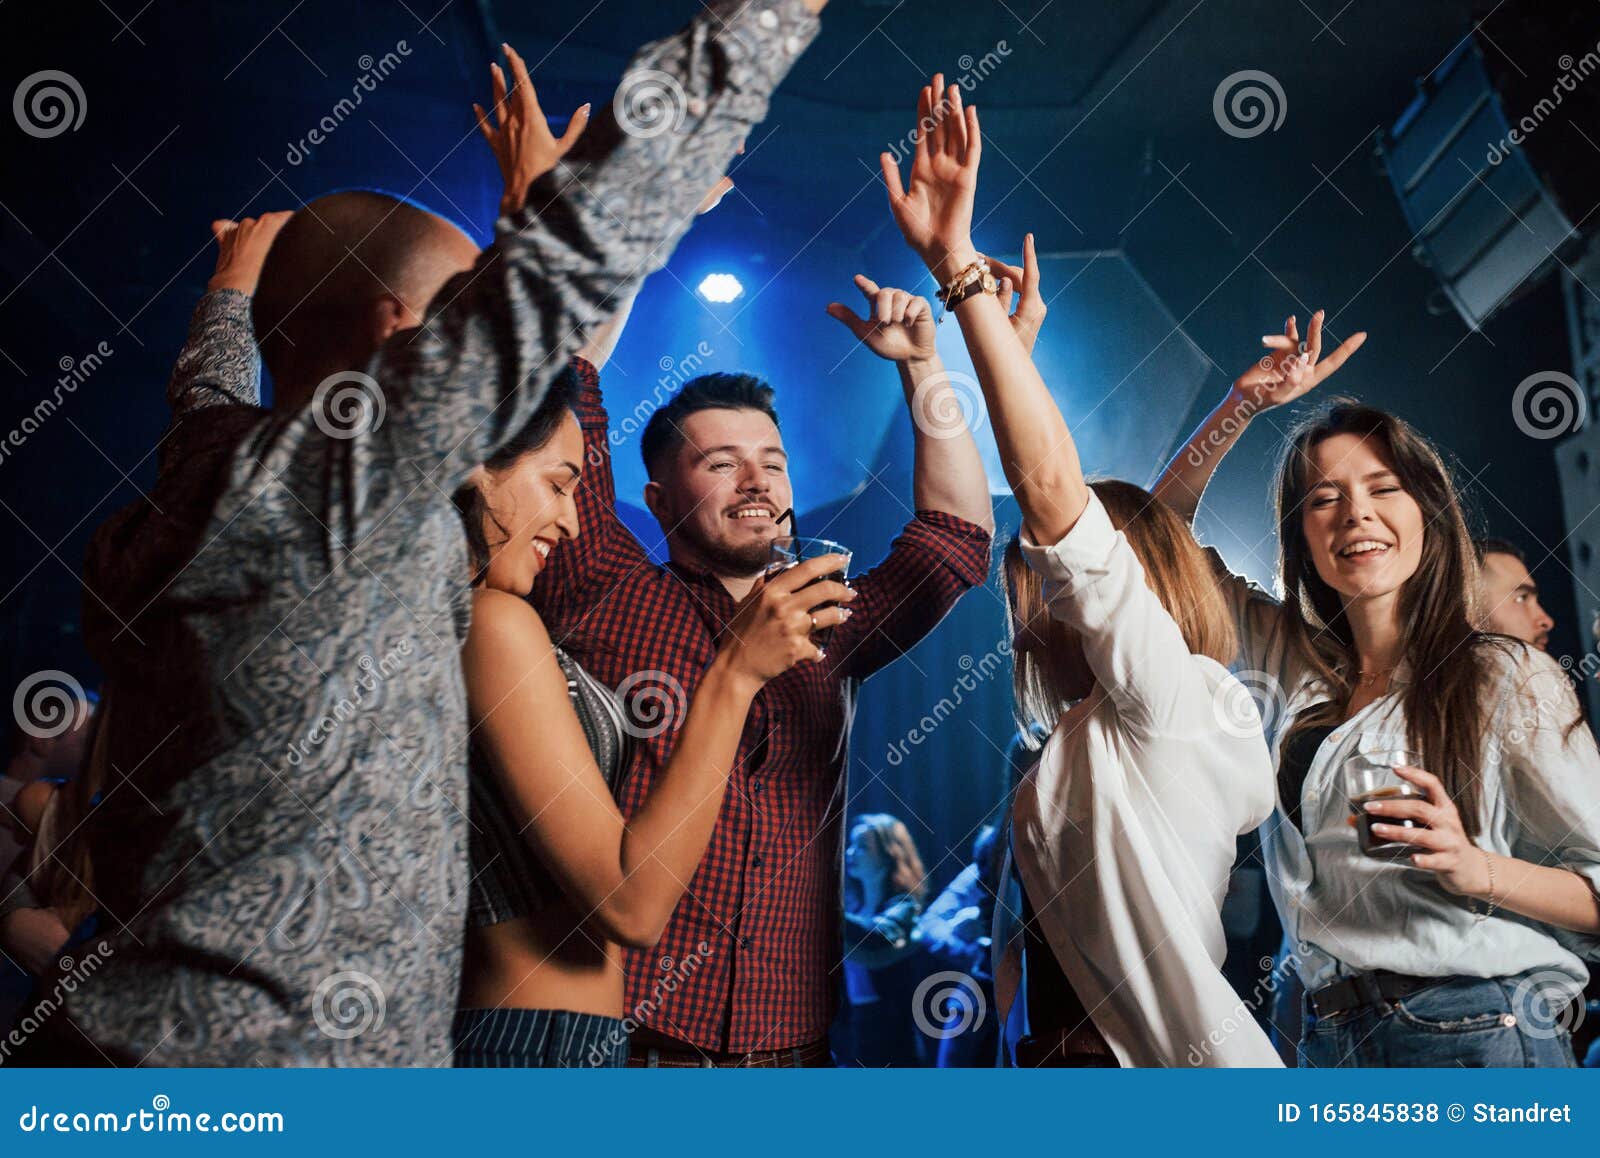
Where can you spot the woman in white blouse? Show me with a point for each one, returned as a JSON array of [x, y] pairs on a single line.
[[1125, 834], [1467, 948]]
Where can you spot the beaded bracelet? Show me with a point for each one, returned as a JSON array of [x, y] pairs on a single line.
[[1488, 863], [976, 278]]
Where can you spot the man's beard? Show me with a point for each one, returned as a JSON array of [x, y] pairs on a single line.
[[726, 559]]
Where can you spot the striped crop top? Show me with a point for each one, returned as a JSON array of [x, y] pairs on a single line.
[[508, 878]]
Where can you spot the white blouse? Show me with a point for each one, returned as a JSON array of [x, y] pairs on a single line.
[[1540, 788], [1125, 832]]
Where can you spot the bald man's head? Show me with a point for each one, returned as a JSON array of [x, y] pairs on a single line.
[[349, 270]]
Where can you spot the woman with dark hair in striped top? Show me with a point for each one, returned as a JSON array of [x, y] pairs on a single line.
[[559, 881]]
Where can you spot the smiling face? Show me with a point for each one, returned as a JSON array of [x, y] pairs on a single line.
[[1510, 600], [530, 508], [720, 492], [1363, 530]]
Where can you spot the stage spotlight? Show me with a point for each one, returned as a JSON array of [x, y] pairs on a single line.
[[720, 288]]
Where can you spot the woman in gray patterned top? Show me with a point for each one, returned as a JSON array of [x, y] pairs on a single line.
[[558, 880]]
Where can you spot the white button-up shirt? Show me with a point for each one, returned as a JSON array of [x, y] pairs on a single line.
[[1346, 912], [1125, 833]]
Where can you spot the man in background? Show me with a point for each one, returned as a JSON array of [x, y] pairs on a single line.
[[1507, 595]]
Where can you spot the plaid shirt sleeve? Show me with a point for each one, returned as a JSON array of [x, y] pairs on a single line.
[[605, 550], [936, 559]]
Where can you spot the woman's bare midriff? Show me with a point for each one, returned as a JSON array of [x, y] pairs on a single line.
[[546, 960]]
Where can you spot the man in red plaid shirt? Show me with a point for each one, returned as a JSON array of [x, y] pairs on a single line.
[[746, 970]]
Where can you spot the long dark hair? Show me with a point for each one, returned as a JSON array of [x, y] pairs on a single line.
[[540, 429], [1449, 661]]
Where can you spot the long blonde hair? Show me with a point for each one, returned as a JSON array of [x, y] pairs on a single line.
[[61, 871], [1045, 679]]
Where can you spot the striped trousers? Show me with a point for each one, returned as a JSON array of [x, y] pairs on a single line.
[[554, 1038]]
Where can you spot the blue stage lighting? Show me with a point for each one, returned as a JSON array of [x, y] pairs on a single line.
[[720, 287]]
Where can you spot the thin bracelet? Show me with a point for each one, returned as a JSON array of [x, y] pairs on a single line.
[[1488, 863]]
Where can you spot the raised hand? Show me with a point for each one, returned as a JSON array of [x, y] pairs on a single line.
[[771, 632], [898, 326], [1029, 314], [934, 212], [520, 137], [242, 250], [1287, 373]]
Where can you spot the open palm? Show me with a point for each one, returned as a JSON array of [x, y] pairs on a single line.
[[934, 212], [520, 136]]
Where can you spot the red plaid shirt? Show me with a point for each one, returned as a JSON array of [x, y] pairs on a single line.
[[750, 952]]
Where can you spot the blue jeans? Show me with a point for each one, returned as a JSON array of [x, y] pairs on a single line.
[[1463, 1021]]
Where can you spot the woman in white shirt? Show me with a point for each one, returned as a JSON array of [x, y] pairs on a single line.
[[1124, 835], [1467, 948]]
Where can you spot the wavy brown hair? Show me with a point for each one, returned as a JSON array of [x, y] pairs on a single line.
[[886, 838], [1449, 661], [1049, 675]]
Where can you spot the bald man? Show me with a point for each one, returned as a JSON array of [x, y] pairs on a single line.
[[281, 854]]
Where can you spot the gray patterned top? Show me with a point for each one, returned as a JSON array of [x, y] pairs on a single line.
[[282, 847]]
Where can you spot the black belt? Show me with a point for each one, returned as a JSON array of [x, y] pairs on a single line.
[[1373, 989]]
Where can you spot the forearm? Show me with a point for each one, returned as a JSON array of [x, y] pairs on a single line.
[[600, 342], [723, 67], [1549, 894], [219, 363], [948, 473], [1184, 481], [1036, 449], [664, 841]]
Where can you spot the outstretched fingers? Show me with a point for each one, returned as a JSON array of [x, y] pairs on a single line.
[[955, 145], [527, 99], [1333, 361], [502, 110], [925, 123]]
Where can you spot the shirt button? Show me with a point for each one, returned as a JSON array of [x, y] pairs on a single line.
[[746, 942], [755, 861], [756, 785], [793, 46], [697, 107], [768, 19]]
